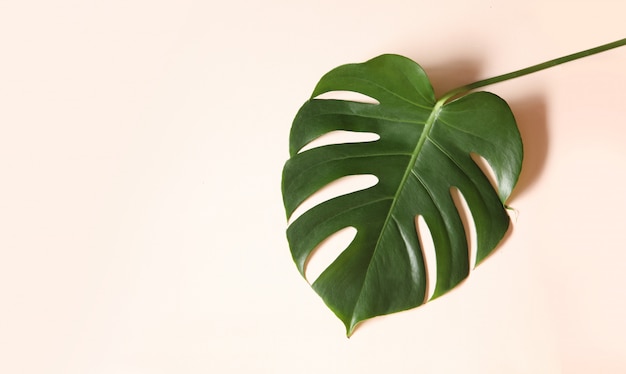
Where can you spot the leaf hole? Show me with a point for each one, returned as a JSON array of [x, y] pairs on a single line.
[[468, 224], [348, 96], [339, 187], [327, 252], [483, 164], [430, 256], [340, 137]]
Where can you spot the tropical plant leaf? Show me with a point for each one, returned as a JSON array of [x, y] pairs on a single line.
[[424, 150]]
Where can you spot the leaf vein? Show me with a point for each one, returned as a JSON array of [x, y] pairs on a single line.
[[390, 119], [394, 94]]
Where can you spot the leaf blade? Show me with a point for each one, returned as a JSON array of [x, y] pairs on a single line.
[[423, 151]]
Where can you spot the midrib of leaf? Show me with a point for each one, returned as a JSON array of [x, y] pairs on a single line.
[[418, 147]]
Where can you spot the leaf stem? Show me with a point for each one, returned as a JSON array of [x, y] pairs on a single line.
[[532, 69]]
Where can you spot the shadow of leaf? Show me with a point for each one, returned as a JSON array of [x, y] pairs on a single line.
[[530, 114], [452, 74]]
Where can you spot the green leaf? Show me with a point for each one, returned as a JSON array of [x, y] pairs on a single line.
[[425, 150]]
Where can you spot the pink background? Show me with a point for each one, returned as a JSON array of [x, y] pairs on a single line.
[[141, 222]]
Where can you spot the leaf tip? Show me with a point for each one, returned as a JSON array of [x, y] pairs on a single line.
[[350, 330], [351, 326]]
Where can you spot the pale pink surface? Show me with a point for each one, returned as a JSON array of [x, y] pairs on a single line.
[[141, 223]]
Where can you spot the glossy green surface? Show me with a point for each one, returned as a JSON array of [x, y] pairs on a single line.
[[423, 151]]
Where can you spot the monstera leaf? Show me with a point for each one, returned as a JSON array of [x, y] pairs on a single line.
[[424, 150]]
